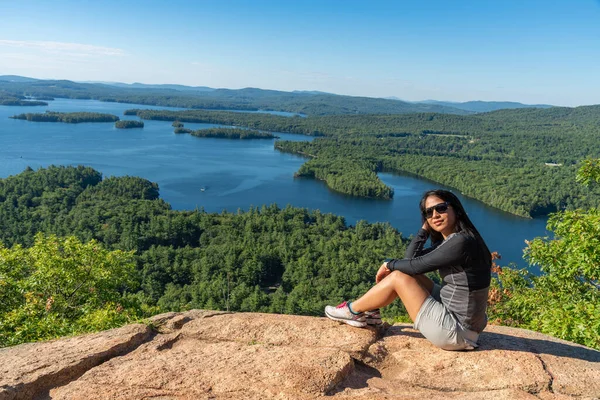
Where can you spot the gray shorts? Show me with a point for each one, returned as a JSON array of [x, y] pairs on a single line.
[[441, 327]]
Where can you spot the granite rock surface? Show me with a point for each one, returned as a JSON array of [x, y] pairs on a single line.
[[217, 355]]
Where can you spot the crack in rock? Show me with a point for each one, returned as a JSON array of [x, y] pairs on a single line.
[[547, 371], [462, 390], [168, 344]]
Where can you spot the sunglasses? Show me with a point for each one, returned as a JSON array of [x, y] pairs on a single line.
[[441, 208]]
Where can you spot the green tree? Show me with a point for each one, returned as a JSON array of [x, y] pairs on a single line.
[[565, 300], [61, 286]]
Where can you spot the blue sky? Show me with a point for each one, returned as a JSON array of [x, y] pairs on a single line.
[[527, 51]]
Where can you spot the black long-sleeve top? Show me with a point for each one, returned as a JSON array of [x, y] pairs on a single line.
[[464, 268]]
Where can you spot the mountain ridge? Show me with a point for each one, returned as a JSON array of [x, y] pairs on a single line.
[[246, 99], [310, 102], [486, 106], [477, 106]]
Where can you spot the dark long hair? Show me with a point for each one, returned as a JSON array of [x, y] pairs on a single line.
[[463, 223]]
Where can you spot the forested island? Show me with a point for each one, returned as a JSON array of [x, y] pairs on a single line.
[[128, 124], [69, 118], [227, 133], [502, 158], [16, 102], [361, 182], [80, 253], [7, 99]]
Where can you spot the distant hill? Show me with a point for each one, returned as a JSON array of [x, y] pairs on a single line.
[[137, 85], [309, 102], [247, 99], [485, 106], [16, 78], [550, 117], [310, 92]]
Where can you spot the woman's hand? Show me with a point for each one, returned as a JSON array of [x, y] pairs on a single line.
[[382, 273]]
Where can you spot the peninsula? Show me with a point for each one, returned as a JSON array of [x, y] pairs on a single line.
[[227, 133]]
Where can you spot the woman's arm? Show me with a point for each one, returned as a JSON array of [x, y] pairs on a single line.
[[415, 248], [452, 251]]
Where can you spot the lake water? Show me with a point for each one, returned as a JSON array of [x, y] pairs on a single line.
[[234, 174]]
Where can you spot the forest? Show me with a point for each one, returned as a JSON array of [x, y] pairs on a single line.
[[128, 124], [226, 133], [8, 99], [359, 180], [80, 253], [69, 118], [521, 161], [267, 259]]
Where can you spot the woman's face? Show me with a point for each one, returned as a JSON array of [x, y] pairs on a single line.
[[442, 222]]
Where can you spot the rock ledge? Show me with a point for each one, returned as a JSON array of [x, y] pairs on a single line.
[[217, 355]]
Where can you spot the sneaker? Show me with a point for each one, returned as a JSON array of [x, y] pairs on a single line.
[[373, 317], [342, 313]]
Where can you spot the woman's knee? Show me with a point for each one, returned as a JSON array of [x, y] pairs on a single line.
[[400, 277]]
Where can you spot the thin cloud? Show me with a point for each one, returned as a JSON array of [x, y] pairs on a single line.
[[77, 49]]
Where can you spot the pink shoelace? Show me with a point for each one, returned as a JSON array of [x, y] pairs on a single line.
[[342, 305]]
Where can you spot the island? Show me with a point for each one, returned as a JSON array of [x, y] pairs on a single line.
[[129, 124], [69, 118], [227, 133], [17, 100]]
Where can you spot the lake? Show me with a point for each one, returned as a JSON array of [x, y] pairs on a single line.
[[219, 174]]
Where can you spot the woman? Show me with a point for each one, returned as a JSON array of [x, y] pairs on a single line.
[[450, 316]]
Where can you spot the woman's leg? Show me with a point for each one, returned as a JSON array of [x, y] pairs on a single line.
[[408, 288], [425, 282]]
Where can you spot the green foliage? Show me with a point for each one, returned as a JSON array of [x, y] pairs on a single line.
[[11, 99], [574, 253], [227, 133], [565, 300], [267, 259], [129, 124], [70, 118], [14, 102], [354, 177], [589, 171], [261, 122], [33, 201], [61, 286]]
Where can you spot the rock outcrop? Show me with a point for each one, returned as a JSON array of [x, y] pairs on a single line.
[[217, 355]]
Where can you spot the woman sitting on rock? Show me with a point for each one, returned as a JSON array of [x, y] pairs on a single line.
[[450, 316]]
